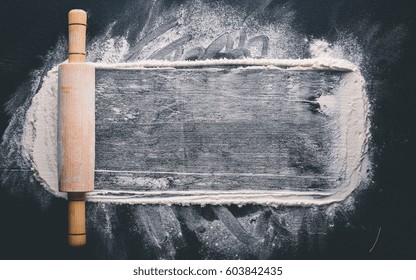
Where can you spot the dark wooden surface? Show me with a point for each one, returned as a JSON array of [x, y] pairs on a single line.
[[31, 29], [215, 129]]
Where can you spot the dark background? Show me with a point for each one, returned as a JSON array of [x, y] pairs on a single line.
[[30, 28]]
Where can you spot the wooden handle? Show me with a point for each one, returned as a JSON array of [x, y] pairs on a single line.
[[77, 27], [77, 235]]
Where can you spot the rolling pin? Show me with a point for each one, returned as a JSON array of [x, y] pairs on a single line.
[[76, 127]]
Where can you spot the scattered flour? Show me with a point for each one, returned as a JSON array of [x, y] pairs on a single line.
[[321, 63], [40, 138]]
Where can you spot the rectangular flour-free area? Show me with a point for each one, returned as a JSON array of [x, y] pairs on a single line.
[[216, 129]]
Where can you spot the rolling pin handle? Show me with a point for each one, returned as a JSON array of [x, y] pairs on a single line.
[[77, 29], [77, 235]]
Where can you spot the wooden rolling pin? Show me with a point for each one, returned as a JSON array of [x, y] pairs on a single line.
[[76, 128]]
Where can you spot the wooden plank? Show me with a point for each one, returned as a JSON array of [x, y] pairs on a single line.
[[215, 129]]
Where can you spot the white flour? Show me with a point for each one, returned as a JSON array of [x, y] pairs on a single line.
[[321, 63], [40, 136]]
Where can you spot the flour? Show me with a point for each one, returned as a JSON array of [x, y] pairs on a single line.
[[321, 63], [40, 138]]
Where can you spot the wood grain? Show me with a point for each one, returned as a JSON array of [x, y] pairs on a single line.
[[215, 129]]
